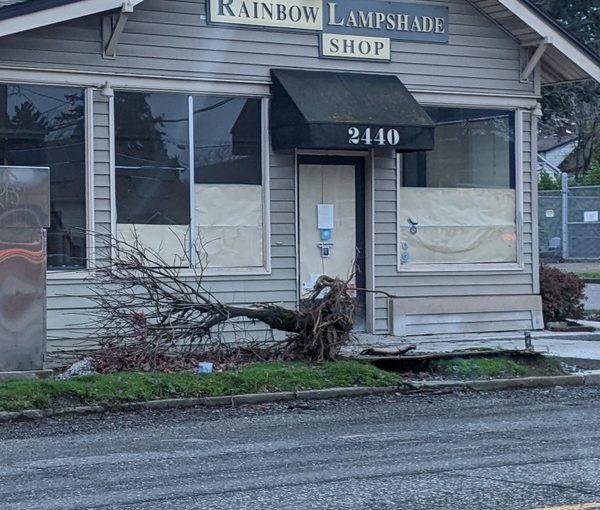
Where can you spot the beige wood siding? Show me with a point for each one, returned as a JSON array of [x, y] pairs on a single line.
[[170, 38]]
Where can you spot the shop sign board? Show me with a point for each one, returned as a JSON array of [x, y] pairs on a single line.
[[353, 46], [284, 14], [356, 29]]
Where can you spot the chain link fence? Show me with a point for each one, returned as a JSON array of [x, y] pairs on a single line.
[[569, 223]]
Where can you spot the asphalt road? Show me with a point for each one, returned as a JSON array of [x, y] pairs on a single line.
[[512, 450]]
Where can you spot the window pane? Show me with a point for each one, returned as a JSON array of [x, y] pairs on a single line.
[[458, 202], [226, 140], [44, 126], [473, 149], [151, 144], [152, 170], [228, 181]]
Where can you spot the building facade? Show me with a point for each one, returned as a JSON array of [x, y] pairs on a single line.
[[292, 138]]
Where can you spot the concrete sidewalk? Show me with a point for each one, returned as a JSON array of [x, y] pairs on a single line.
[[583, 348], [592, 294]]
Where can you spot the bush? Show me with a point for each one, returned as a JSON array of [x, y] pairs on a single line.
[[547, 183], [592, 177], [562, 294]]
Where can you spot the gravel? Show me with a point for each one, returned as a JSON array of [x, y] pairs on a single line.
[[412, 404]]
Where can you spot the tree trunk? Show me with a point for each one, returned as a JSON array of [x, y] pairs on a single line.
[[272, 315]]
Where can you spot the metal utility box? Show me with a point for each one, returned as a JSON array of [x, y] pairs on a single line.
[[24, 213]]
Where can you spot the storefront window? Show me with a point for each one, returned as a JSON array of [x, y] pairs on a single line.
[[153, 176], [152, 172], [44, 126], [228, 180], [457, 203]]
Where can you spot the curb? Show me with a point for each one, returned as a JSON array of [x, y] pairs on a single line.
[[503, 384], [329, 393], [225, 401]]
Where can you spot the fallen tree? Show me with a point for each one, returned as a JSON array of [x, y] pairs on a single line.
[[151, 314]]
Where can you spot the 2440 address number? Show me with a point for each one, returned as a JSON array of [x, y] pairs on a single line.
[[370, 136]]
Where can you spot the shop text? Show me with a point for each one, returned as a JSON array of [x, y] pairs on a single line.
[[359, 29], [350, 46], [389, 21]]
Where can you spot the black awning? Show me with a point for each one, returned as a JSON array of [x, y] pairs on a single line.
[[327, 110]]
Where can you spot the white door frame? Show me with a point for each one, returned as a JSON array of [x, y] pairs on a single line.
[[369, 225]]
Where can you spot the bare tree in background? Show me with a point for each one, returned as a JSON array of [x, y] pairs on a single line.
[[576, 106]]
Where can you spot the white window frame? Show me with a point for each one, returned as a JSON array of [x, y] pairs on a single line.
[[265, 269], [486, 267]]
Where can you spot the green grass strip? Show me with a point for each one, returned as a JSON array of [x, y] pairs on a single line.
[[591, 276], [112, 389], [497, 367], [590, 311]]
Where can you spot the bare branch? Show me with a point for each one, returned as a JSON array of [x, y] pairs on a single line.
[[148, 311]]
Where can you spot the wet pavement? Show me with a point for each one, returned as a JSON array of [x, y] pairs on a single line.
[[509, 450]]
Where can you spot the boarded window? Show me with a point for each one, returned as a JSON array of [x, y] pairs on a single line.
[[457, 203], [154, 199], [228, 176], [152, 172]]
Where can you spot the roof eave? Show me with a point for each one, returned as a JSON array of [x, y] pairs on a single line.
[[50, 13], [559, 38]]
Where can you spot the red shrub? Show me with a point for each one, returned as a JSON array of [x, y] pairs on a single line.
[[562, 294]]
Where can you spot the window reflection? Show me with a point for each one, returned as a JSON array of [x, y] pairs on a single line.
[[473, 149], [153, 185], [226, 140], [152, 170], [228, 177], [152, 173], [44, 126]]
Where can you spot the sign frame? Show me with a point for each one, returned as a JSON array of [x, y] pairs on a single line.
[[386, 59], [370, 22]]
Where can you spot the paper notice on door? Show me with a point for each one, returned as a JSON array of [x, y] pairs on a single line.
[[325, 216]]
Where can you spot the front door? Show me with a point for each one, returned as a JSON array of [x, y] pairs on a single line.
[[331, 212]]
